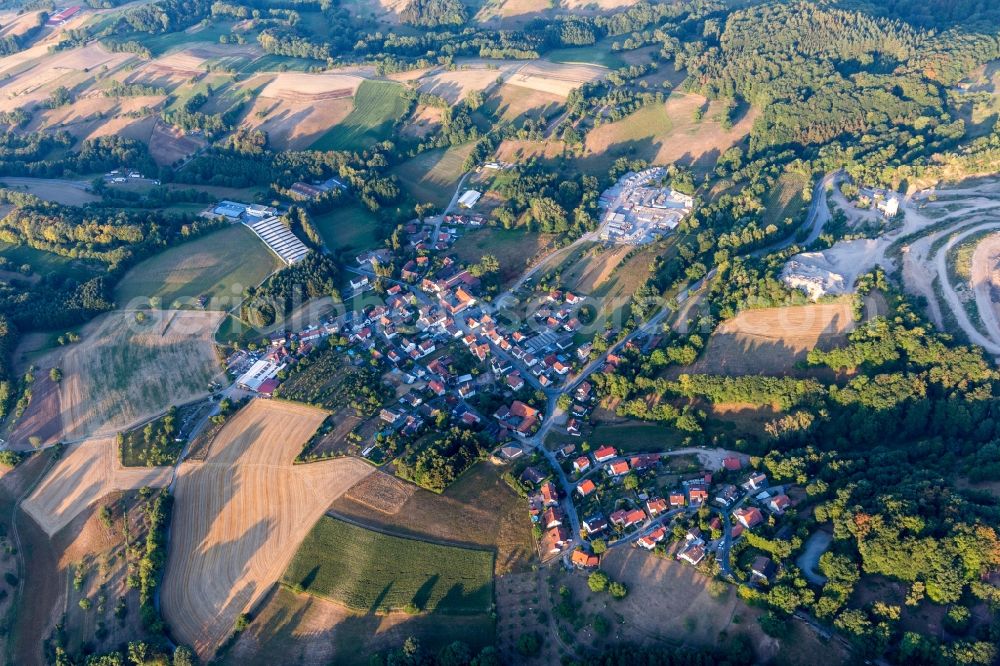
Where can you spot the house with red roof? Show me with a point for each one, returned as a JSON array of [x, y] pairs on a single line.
[[732, 463], [697, 495], [617, 468], [586, 487], [656, 506], [777, 504], [552, 517], [550, 496], [650, 540], [626, 519], [604, 454], [677, 499], [581, 464], [518, 417], [581, 559], [749, 517]]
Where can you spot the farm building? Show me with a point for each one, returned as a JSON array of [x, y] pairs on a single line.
[[469, 199], [63, 15], [230, 209], [258, 375], [279, 239]]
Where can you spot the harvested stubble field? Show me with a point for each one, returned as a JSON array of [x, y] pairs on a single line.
[[513, 102], [455, 85], [168, 144], [773, 340], [667, 133], [86, 473], [349, 564], [124, 372], [477, 510], [240, 515], [220, 265], [555, 78]]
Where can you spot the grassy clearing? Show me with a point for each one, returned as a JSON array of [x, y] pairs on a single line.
[[46, 263], [277, 63], [785, 200], [160, 44], [219, 266], [632, 437], [370, 571], [514, 248], [597, 54], [377, 107], [349, 227], [433, 176]]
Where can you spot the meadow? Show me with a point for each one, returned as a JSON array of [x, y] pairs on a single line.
[[377, 107], [433, 176], [47, 263], [374, 572], [218, 266], [350, 226]]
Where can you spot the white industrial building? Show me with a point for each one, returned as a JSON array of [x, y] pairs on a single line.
[[279, 239], [259, 373], [470, 198]]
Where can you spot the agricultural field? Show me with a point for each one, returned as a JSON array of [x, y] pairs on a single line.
[[93, 566], [377, 107], [773, 340], [350, 227], [665, 134], [240, 515], [478, 510], [124, 371], [218, 266], [433, 175], [296, 109], [84, 474], [515, 103], [347, 563], [310, 630], [555, 78], [455, 85], [68, 193]]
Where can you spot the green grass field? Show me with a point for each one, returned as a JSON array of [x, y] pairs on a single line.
[[377, 106], [160, 44], [351, 226], [638, 437], [47, 263], [373, 572], [785, 200], [512, 247], [588, 55], [277, 63], [219, 266], [433, 176]]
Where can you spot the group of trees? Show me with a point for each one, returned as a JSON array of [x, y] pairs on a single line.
[[442, 460]]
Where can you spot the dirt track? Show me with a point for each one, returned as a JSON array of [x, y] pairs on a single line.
[[240, 516]]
